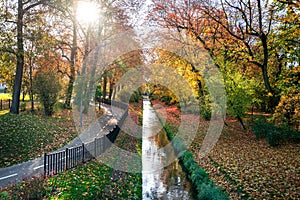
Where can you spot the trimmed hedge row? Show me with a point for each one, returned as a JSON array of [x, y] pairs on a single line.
[[273, 134], [206, 189]]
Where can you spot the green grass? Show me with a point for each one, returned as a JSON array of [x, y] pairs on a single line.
[[94, 181], [27, 136]]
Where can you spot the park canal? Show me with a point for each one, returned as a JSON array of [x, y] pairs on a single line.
[[160, 179]]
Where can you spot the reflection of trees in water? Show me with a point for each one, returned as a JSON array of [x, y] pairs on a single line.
[[176, 182], [172, 178]]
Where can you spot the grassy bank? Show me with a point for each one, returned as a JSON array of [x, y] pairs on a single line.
[[206, 189], [93, 180], [27, 136]]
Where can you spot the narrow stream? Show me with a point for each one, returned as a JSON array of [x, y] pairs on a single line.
[[160, 182]]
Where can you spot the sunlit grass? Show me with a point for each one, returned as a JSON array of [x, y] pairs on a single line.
[[6, 96], [3, 112]]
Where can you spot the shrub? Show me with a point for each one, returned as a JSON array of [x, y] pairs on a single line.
[[260, 128], [4, 195], [58, 106], [47, 87], [288, 108], [273, 134], [209, 192], [178, 145], [23, 106], [135, 97], [188, 163], [187, 155], [205, 108], [274, 137], [198, 176]]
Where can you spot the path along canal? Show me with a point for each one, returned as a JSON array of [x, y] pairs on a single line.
[[160, 181]]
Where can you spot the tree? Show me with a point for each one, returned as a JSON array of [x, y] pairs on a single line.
[[47, 87], [251, 23], [22, 9]]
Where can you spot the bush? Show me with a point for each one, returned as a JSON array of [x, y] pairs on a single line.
[[178, 145], [58, 106], [209, 192], [205, 108], [23, 106], [274, 137], [197, 175], [47, 86], [260, 128], [288, 108], [186, 156], [135, 97], [273, 134]]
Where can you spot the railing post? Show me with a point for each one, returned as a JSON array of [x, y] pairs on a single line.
[[67, 157], [45, 162], [9, 103], [56, 163], [1, 104]]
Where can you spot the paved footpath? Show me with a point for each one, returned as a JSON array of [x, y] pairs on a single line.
[[16, 173]]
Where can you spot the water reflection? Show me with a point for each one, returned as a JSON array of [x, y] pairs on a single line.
[[160, 182]]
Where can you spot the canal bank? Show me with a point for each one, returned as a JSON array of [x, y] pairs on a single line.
[[202, 186]]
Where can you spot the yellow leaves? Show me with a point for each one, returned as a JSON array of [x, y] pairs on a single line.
[[269, 94]]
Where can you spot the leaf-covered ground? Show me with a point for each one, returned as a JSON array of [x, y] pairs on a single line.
[[27, 136], [245, 167], [93, 180]]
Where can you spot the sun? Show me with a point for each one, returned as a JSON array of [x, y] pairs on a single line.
[[87, 12]]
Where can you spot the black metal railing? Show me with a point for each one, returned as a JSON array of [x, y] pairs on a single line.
[[71, 157]]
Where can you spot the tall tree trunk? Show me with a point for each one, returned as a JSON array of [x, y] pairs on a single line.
[[72, 71], [20, 61], [264, 66], [111, 88], [23, 95], [72, 75], [241, 122], [104, 86], [200, 87], [31, 84]]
